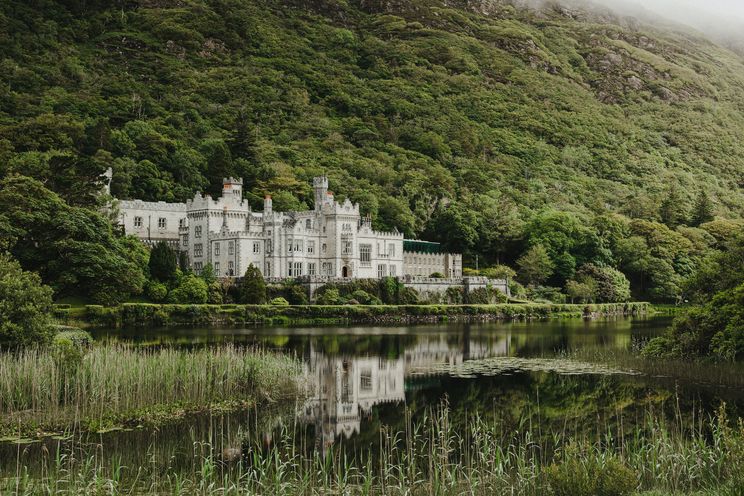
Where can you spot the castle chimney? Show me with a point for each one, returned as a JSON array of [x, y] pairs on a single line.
[[268, 206]]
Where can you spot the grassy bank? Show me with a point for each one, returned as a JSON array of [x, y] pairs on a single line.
[[117, 385], [431, 456], [142, 314]]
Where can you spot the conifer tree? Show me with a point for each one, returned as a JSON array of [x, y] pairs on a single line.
[[253, 287], [163, 263], [702, 211], [672, 208]]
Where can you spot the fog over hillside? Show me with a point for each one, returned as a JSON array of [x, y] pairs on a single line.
[[722, 20]]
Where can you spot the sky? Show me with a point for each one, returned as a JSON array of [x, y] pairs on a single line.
[[706, 15]]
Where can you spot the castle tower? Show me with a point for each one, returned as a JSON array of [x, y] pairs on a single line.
[[320, 185], [232, 187]]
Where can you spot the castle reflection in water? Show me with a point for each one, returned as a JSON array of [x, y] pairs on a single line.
[[345, 388]]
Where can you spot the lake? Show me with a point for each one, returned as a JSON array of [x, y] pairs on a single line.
[[368, 379]]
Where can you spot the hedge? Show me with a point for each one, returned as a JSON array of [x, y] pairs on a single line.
[[146, 314]]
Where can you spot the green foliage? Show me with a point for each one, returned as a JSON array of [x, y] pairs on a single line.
[[163, 263], [190, 289], [207, 274], [499, 272], [715, 327], [702, 210], [582, 291], [25, 305], [591, 476], [535, 266], [69, 348], [609, 285], [279, 302], [74, 249], [437, 275], [157, 291], [253, 287]]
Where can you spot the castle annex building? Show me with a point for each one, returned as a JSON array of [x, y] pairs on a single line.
[[331, 241]]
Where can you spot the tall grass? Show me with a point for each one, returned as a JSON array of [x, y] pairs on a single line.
[[432, 456], [111, 382]]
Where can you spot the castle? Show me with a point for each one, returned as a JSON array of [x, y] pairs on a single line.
[[333, 240]]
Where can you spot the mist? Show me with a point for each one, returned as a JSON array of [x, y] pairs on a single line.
[[706, 15]]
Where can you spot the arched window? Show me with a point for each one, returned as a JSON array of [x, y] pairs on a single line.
[[308, 224]]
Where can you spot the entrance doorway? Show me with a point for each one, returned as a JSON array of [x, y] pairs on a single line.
[[345, 271]]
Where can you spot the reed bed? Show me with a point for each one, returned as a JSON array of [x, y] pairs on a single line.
[[432, 455], [115, 382]]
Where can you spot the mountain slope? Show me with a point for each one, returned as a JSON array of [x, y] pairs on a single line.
[[407, 105]]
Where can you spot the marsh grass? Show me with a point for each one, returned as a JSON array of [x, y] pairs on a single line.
[[693, 371], [432, 455], [116, 383]]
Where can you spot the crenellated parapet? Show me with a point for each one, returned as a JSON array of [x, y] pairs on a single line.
[[159, 206]]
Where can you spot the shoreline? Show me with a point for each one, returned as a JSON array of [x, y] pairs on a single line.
[[163, 315]]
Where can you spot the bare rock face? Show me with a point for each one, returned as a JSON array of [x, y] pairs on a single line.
[[635, 82], [666, 94]]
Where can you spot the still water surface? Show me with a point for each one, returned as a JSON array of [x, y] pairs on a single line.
[[365, 378]]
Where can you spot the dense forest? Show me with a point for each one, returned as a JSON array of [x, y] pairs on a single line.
[[585, 150]]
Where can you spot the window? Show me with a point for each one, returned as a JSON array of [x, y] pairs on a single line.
[[311, 246], [231, 247], [197, 267], [324, 247], [217, 268], [298, 246], [308, 224], [138, 222], [181, 223], [230, 268], [198, 250], [294, 269], [217, 249], [365, 380], [256, 247], [311, 269], [267, 269], [197, 231], [381, 272], [327, 268], [365, 255], [391, 250], [346, 248], [162, 223], [392, 271]]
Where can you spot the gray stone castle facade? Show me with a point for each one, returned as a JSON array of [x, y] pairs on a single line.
[[331, 241]]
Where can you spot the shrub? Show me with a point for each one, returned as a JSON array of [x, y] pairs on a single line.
[[296, 294], [280, 302], [592, 477], [69, 347], [329, 296], [25, 305], [437, 275], [365, 298], [191, 289], [499, 272], [215, 295], [157, 291]]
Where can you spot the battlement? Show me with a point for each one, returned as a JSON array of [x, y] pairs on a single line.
[[160, 206]]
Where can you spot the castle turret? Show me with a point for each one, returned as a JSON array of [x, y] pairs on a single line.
[[268, 205], [232, 187], [320, 185]]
